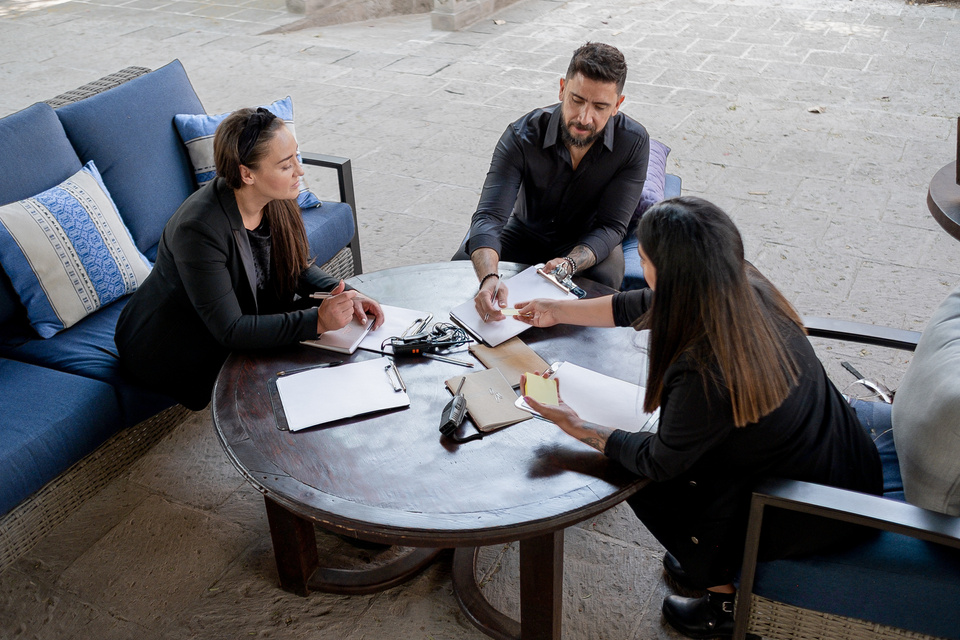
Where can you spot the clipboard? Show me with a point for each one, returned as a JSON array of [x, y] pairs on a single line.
[[526, 285], [320, 395]]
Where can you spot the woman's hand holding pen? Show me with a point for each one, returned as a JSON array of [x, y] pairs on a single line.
[[337, 310]]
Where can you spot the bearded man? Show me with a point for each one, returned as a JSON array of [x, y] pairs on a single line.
[[563, 184]]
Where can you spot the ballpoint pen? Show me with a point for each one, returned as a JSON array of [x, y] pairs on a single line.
[[324, 365], [496, 290]]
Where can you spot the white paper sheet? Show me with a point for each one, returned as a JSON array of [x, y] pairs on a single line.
[[321, 395], [602, 400], [526, 285]]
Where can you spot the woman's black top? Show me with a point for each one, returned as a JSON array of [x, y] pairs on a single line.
[[814, 435]]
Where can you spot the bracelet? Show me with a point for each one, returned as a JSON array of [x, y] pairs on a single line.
[[489, 275], [572, 263]]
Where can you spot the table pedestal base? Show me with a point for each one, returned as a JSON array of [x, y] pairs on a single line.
[[541, 591], [298, 562]]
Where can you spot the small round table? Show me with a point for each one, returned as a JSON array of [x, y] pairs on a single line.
[[391, 478], [943, 199]]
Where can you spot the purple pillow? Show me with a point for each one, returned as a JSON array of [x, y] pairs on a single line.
[[656, 175]]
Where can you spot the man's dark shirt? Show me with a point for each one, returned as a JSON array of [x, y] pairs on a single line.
[[531, 174]]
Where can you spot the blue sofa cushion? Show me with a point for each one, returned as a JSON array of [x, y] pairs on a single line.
[[329, 229], [48, 421], [68, 253], [128, 131], [36, 156], [894, 580], [87, 349], [196, 131], [632, 269]]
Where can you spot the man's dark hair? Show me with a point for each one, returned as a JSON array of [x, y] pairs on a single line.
[[599, 62]]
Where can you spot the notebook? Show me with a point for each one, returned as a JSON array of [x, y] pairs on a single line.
[[512, 357], [490, 399], [526, 285], [345, 339]]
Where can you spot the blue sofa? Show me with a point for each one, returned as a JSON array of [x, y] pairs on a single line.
[[63, 396]]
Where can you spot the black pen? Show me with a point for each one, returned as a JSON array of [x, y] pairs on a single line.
[[316, 366]]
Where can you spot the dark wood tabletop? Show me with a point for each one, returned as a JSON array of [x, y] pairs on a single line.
[[391, 477], [943, 199]]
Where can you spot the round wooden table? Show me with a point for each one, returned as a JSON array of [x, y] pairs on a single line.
[[943, 199], [392, 478]]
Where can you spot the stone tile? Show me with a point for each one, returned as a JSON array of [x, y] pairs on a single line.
[[418, 65], [30, 609], [127, 572], [189, 466], [839, 60]]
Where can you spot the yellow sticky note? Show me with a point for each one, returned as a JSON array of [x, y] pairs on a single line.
[[510, 311], [543, 390]]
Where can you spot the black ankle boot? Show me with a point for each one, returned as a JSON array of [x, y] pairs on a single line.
[[710, 616]]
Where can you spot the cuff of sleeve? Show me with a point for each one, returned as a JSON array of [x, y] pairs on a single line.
[[483, 241], [614, 444]]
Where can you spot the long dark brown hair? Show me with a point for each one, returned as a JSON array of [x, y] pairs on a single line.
[[714, 306], [289, 249]]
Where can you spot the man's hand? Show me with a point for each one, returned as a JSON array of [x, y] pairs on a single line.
[[487, 306], [556, 262], [363, 306], [538, 313], [336, 311]]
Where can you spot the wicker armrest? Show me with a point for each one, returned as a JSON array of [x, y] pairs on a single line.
[[860, 332], [345, 181]]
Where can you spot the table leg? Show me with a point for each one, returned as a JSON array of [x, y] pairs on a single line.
[[294, 547], [541, 591], [298, 563], [541, 586]]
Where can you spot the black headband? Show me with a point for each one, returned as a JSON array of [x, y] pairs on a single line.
[[256, 123]]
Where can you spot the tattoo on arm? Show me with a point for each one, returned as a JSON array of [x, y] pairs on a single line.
[[583, 256], [595, 436]]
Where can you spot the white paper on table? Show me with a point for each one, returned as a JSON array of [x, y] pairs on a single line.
[[396, 320], [321, 395], [602, 400], [526, 285]]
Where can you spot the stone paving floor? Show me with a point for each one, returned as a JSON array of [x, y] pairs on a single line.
[[831, 206]]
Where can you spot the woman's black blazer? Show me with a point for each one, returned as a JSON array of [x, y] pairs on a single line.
[[200, 303]]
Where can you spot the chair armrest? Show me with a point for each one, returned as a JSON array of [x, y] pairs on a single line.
[[837, 504], [345, 181], [860, 332], [859, 508]]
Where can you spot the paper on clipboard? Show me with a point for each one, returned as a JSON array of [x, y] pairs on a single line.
[[325, 394], [602, 400], [526, 285]]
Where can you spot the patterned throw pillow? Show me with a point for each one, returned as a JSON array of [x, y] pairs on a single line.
[[197, 131], [68, 253]]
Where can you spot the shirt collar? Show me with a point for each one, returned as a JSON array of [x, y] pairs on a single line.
[[553, 129]]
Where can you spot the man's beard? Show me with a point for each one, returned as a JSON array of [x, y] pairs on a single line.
[[570, 139]]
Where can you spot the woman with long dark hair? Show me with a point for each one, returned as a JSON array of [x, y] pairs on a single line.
[[741, 394], [233, 269]]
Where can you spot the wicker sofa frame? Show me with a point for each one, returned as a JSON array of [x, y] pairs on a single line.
[[24, 526]]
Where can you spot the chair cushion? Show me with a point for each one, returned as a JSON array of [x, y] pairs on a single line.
[[128, 131], [36, 156], [87, 349], [926, 414], [67, 252], [197, 131], [894, 580], [329, 229], [48, 421]]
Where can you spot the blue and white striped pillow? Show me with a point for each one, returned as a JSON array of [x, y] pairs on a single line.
[[197, 131], [68, 253]]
